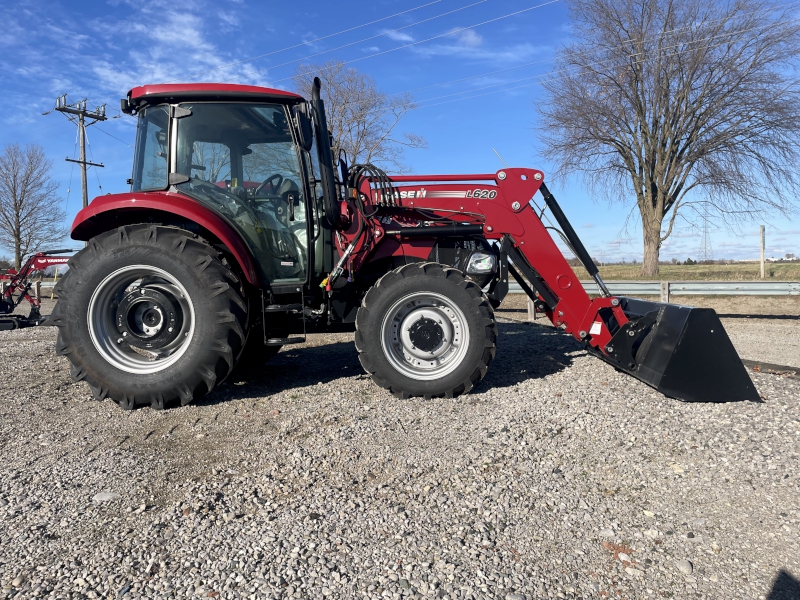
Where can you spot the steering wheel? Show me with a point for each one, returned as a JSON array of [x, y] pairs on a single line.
[[269, 179]]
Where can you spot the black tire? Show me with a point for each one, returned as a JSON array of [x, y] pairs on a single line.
[[385, 303], [206, 353]]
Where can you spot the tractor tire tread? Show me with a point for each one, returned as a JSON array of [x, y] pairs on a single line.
[[209, 267], [479, 303]]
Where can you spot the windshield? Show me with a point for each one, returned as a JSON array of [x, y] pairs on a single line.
[[241, 160], [150, 162]]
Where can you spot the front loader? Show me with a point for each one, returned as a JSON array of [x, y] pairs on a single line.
[[18, 286], [241, 233]]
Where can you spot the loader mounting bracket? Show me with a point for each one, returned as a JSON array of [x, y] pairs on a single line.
[[626, 342]]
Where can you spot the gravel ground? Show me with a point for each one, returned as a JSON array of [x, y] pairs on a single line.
[[557, 478]]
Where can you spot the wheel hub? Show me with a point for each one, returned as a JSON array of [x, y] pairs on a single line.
[[426, 334], [148, 318]]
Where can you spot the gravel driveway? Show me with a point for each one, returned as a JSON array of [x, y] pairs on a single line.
[[557, 478]]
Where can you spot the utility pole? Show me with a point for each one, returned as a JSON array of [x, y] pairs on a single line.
[[79, 110], [762, 251]]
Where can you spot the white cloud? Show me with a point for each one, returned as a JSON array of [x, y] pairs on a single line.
[[230, 20], [398, 36], [505, 55], [470, 38], [173, 44]]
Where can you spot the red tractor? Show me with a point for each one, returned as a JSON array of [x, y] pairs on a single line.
[[18, 288], [241, 233]]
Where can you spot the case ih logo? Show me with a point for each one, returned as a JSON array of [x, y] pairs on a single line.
[[420, 193]]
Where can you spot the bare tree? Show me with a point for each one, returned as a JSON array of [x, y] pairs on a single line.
[[30, 210], [215, 160], [690, 104], [362, 118]]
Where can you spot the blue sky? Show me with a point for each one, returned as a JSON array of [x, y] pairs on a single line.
[[475, 82]]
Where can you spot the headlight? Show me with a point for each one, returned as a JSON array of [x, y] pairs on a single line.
[[481, 263]]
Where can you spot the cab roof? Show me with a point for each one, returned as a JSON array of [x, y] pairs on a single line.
[[186, 92]]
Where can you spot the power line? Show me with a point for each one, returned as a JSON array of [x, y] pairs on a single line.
[[547, 77], [71, 171], [91, 154], [435, 37], [308, 43], [546, 60], [367, 39], [345, 45], [113, 136]]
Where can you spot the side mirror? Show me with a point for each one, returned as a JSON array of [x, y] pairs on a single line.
[[305, 133]]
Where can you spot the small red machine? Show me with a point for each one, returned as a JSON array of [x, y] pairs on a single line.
[[240, 234], [18, 288]]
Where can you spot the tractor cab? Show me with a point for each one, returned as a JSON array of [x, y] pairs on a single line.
[[248, 156]]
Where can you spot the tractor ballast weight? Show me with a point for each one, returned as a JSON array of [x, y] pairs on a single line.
[[234, 237]]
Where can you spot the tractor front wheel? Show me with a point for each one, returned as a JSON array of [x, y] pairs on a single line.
[[149, 316], [426, 330]]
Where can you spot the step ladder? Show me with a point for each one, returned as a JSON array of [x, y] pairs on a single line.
[[283, 308]]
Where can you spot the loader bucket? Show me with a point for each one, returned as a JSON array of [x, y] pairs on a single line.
[[681, 351]]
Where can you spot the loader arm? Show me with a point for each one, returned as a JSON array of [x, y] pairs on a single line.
[[500, 203], [681, 351]]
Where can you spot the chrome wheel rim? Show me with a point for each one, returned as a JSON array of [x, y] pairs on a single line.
[[141, 319], [425, 336]]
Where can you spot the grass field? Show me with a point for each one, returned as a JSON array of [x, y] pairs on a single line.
[[734, 272]]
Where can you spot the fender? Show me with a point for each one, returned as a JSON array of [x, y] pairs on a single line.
[[90, 222]]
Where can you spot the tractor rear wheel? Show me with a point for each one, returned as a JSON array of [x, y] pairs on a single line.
[[426, 330], [150, 316]]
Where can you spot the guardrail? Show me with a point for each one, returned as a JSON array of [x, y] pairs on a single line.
[[665, 289]]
